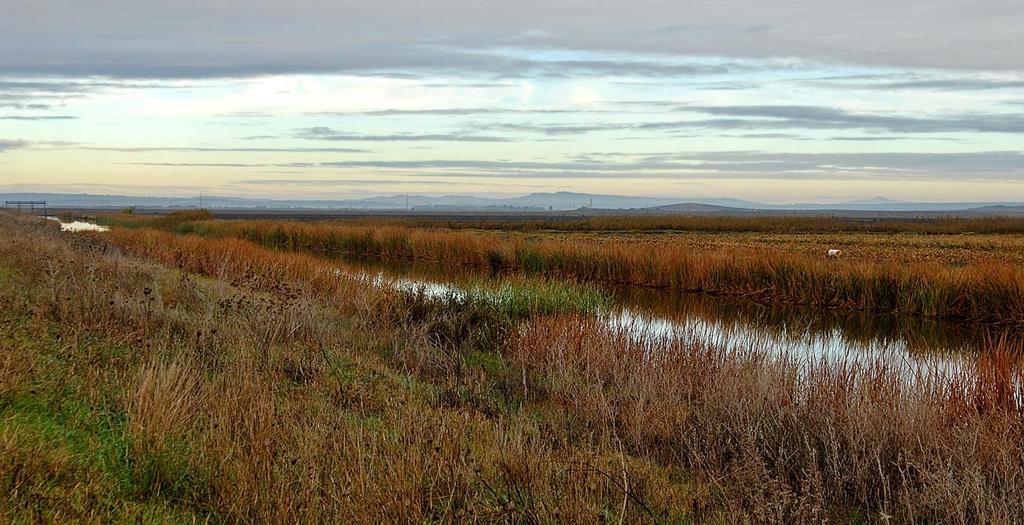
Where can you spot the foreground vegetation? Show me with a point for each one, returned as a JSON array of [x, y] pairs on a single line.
[[988, 291], [158, 377]]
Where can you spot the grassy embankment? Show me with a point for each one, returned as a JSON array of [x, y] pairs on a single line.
[[989, 291], [220, 380]]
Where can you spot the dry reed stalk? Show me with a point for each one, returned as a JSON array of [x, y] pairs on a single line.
[[164, 402]]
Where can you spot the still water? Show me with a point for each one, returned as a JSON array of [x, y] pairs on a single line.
[[79, 226], [811, 336]]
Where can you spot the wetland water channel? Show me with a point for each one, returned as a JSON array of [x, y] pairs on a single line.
[[809, 336], [917, 347]]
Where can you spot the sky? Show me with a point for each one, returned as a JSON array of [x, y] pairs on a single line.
[[775, 100]]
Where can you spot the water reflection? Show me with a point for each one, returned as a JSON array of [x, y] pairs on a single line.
[[813, 336], [79, 226], [913, 335]]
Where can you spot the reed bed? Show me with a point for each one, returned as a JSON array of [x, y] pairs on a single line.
[[991, 292], [639, 222], [788, 441], [708, 223]]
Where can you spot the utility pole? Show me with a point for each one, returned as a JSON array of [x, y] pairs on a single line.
[[200, 199]]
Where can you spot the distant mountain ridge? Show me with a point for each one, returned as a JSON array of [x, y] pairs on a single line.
[[556, 201], [533, 201]]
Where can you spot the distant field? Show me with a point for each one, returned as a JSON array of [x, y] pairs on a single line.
[[882, 223], [952, 249], [588, 218], [951, 241]]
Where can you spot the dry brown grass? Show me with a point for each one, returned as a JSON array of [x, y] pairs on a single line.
[[164, 402], [283, 393], [988, 291], [763, 223], [895, 247], [791, 445], [308, 413]]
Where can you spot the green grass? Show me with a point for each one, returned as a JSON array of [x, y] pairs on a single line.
[[65, 452], [6, 272], [525, 298], [178, 221], [66, 460], [119, 221], [479, 315]]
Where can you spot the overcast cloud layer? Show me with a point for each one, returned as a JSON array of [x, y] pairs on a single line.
[[782, 100], [148, 38]]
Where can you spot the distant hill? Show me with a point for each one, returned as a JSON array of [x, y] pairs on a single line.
[[998, 210], [695, 207], [533, 201], [889, 205], [555, 201], [874, 201]]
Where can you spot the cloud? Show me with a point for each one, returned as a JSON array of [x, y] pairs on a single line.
[[782, 71], [613, 68], [411, 60], [783, 117], [180, 149], [6, 145], [789, 136], [817, 117], [325, 133], [889, 138], [208, 165], [946, 84], [453, 112], [345, 182], [23, 106], [728, 165], [37, 117], [1003, 165], [159, 39], [55, 86], [1007, 165], [46, 93], [553, 129]]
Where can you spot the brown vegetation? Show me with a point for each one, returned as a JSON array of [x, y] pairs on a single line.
[[230, 382], [986, 291], [724, 223]]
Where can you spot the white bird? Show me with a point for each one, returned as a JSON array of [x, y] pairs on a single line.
[[835, 253]]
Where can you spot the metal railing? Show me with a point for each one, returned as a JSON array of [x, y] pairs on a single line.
[[30, 204]]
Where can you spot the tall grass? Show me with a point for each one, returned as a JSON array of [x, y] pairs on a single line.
[[787, 442], [288, 394], [523, 298], [986, 292], [162, 402]]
